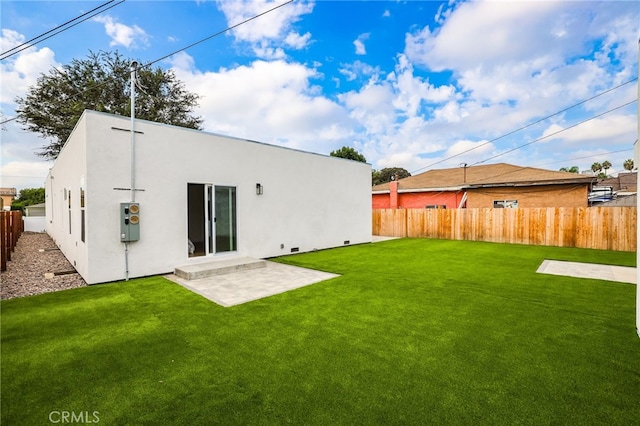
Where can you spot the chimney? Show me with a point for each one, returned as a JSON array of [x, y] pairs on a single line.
[[393, 194]]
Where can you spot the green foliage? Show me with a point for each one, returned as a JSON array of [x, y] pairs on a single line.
[[348, 153], [28, 197], [101, 82], [413, 332], [598, 168], [388, 174], [572, 169], [628, 164]]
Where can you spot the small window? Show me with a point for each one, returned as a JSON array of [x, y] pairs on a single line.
[[82, 225], [505, 204], [82, 208], [69, 207]]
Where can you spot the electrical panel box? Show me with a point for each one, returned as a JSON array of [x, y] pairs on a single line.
[[129, 222]]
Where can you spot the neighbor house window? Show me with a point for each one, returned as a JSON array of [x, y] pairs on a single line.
[[505, 204]]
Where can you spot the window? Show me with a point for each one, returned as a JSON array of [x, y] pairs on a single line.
[[82, 220], [505, 204], [68, 192]]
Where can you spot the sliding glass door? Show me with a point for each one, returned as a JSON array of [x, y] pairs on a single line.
[[211, 214], [225, 219]]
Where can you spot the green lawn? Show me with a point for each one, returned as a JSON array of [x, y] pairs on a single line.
[[413, 332]]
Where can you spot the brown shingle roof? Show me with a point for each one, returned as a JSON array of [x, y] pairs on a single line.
[[8, 191], [500, 174]]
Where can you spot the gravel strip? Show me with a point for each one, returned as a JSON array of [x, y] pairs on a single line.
[[25, 274]]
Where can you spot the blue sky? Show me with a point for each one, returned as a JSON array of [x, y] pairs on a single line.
[[411, 84]]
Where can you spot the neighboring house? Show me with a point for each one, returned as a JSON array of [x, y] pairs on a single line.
[[623, 188], [7, 195], [197, 197], [488, 186], [36, 210], [626, 183], [34, 218]]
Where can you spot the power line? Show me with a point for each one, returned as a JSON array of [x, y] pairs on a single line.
[[219, 33], [177, 51], [27, 44], [555, 133], [527, 125], [586, 156]]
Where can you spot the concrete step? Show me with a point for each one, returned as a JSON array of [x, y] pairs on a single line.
[[218, 267]]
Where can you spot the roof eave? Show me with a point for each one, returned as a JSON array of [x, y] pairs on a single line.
[[537, 183]]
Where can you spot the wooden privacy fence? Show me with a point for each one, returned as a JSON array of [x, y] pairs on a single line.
[[11, 227], [607, 228]]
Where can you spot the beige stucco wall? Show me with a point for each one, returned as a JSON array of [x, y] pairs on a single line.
[[539, 196]]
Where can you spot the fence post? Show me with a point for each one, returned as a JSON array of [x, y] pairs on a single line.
[[7, 235], [15, 229], [3, 242]]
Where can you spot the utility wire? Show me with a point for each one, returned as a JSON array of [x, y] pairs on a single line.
[[586, 156], [53, 29], [527, 125], [27, 44], [219, 33], [555, 133], [173, 53]]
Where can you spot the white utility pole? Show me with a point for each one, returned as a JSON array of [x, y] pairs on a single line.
[[134, 66]]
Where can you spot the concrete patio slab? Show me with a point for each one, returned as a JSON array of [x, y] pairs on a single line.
[[596, 271], [218, 267], [252, 284]]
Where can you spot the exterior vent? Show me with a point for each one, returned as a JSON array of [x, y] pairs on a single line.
[[346, 243], [295, 249]]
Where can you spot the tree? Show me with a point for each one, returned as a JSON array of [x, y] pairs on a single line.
[[348, 153], [388, 174], [606, 165], [596, 167], [28, 197], [101, 82], [628, 164], [572, 169]]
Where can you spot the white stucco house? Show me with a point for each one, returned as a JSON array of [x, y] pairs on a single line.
[[197, 197]]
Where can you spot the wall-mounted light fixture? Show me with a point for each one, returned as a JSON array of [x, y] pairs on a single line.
[[258, 189]]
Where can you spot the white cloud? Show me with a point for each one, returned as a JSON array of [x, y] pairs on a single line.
[[22, 70], [526, 51], [296, 40], [386, 14], [24, 174], [268, 32], [513, 62], [359, 44], [613, 128], [20, 168], [10, 39], [121, 34], [477, 150], [273, 102], [358, 69]]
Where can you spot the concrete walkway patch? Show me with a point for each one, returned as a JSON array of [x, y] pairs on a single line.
[[624, 274], [248, 285]]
